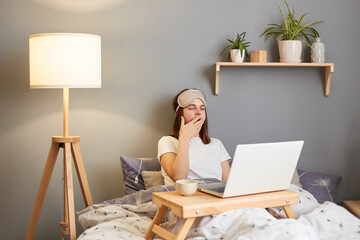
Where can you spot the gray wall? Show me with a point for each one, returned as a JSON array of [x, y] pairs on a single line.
[[150, 51]]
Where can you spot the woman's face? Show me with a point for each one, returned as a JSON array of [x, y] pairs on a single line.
[[196, 108]]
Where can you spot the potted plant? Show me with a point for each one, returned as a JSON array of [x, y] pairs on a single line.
[[238, 48], [289, 33]]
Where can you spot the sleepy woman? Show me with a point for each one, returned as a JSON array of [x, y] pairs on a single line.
[[190, 152]]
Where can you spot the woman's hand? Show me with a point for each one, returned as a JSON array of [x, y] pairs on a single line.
[[176, 165], [190, 129]]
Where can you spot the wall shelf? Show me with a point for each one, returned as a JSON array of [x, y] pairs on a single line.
[[329, 69]]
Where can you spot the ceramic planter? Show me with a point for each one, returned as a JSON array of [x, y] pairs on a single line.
[[290, 51], [236, 55]]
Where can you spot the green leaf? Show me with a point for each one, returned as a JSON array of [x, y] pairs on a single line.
[[238, 43], [291, 29]]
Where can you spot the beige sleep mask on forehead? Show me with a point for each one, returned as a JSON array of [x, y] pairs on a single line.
[[185, 98]]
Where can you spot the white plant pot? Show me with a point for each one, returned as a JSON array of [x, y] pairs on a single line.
[[236, 55], [290, 51]]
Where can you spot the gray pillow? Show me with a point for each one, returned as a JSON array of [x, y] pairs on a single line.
[[132, 168], [322, 186]]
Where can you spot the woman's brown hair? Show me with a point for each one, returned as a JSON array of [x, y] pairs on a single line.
[[204, 134]]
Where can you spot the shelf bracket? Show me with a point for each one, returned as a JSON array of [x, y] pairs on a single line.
[[217, 79], [328, 74]]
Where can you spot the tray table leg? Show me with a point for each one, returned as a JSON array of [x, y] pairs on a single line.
[[184, 229], [288, 211], [157, 220]]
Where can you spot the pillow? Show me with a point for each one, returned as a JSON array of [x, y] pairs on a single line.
[[296, 179], [322, 186], [307, 203], [132, 168], [152, 178]]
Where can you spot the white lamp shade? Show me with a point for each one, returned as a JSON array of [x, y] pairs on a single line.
[[65, 60]]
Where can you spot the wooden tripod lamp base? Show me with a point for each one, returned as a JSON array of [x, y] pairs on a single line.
[[71, 151]]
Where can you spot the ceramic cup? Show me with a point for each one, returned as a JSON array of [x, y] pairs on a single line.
[[186, 187]]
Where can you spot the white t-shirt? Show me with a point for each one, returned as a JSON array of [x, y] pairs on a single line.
[[204, 159]]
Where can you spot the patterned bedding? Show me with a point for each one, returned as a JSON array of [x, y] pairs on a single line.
[[129, 217]]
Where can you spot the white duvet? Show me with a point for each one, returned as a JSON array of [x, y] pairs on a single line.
[[326, 221]]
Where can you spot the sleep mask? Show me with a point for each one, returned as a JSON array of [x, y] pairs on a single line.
[[185, 98]]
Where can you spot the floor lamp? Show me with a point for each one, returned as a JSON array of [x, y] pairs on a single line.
[[64, 60]]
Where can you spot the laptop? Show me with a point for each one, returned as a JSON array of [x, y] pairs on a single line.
[[258, 168]]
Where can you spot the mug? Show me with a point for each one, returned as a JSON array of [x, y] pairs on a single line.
[[186, 187]]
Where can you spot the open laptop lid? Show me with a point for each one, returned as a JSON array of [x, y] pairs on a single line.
[[262, 167]]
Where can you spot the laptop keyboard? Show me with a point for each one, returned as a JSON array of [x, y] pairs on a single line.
[[217, 189]]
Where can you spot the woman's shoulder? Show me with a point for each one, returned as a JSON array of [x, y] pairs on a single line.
[[215, 140], [168, 139]]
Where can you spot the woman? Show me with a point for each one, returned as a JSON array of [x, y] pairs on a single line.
[[190, 152]]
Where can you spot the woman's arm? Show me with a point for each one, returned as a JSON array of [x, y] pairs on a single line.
[[225, 170], [176, 165]]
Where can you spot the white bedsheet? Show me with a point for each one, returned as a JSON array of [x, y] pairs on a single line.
[[326, 221]]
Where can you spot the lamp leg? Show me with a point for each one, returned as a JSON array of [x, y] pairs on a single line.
[[45, 179], [80, 169], [70, 190], [65, 223]]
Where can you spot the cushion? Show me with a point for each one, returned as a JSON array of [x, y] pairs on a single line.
[[152, 178], [307, 203], [132, 168], [322, 186]]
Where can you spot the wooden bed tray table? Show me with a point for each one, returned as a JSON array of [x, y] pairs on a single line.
[[202, 204]]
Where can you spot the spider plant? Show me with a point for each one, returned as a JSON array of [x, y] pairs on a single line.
[[292, 29], [238, 43]]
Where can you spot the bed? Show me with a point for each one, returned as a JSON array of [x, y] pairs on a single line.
[[128, 217]]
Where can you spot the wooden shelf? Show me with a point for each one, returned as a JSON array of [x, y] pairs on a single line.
[[329, 69]]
